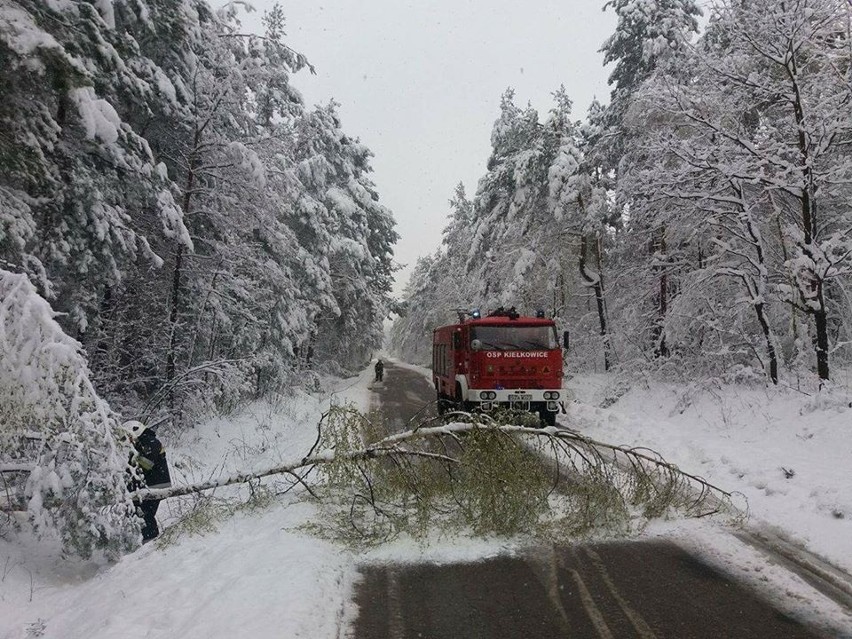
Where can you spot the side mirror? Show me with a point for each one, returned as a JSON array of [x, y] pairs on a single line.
[[566, 341], [475, 345]]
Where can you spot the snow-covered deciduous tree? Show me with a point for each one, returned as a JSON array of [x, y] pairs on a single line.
[[61, 448], [747, 160]]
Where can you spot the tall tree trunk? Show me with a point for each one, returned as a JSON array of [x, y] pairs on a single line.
[[602, 312], [821, 322], [177, 274], [809, 221], [761, 285], [594, 281], [770, 345], [658, 333], [173, 314]]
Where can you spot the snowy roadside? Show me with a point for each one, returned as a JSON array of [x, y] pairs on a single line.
[[254, 573], [787, 452]]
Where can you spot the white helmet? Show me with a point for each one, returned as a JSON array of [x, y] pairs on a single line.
[[134, 428]]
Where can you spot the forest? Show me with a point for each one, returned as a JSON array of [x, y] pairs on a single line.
[[698, 225], [179, 233]]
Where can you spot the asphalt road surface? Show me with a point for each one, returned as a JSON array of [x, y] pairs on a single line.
[[598, 591]]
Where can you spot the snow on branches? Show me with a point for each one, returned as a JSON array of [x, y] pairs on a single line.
[[61, 455]]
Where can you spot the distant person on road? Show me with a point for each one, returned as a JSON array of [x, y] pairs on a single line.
[[150, 458], [380, 370]]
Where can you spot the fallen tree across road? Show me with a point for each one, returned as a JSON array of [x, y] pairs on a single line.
[[483, 474]]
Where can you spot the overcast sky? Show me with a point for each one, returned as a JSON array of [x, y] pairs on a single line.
[[419, 82]]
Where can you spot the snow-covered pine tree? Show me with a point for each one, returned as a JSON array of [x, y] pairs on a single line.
[[93, 206], [510, 206], [411, 333], [647, 31], [354, 234], [61, 448], [224, 295], [80, 188], [438, 286], [647, 34], [141, 112]]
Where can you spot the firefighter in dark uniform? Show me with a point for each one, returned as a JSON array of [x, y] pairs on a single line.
[[150, 458], [380, 370]]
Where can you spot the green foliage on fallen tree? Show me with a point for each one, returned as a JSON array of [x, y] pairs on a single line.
[[471, 473], [490, 476]]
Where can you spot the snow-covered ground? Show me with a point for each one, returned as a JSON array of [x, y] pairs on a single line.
[[253, 573], [260, 573], [788, 452]]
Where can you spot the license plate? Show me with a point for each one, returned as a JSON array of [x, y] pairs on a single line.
[[520, 397]]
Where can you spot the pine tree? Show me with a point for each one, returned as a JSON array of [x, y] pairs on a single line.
[[647, 31], [61, 449], [355, 234]]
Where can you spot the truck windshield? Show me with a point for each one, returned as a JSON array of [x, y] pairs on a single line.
[[515, 338]]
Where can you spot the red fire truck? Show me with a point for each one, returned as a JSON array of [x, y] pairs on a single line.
[[502, 359]]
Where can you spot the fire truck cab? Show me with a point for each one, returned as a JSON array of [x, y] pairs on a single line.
[[502, 360]]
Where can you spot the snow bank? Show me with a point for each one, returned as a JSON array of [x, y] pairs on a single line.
[[788, 452]]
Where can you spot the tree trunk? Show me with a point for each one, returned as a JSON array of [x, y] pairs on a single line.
[[809, 221], [770, 346], [661, 349], [821, 322], [762, 284], [601, 303], [171, 359], [173, 314], [595, 281]]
